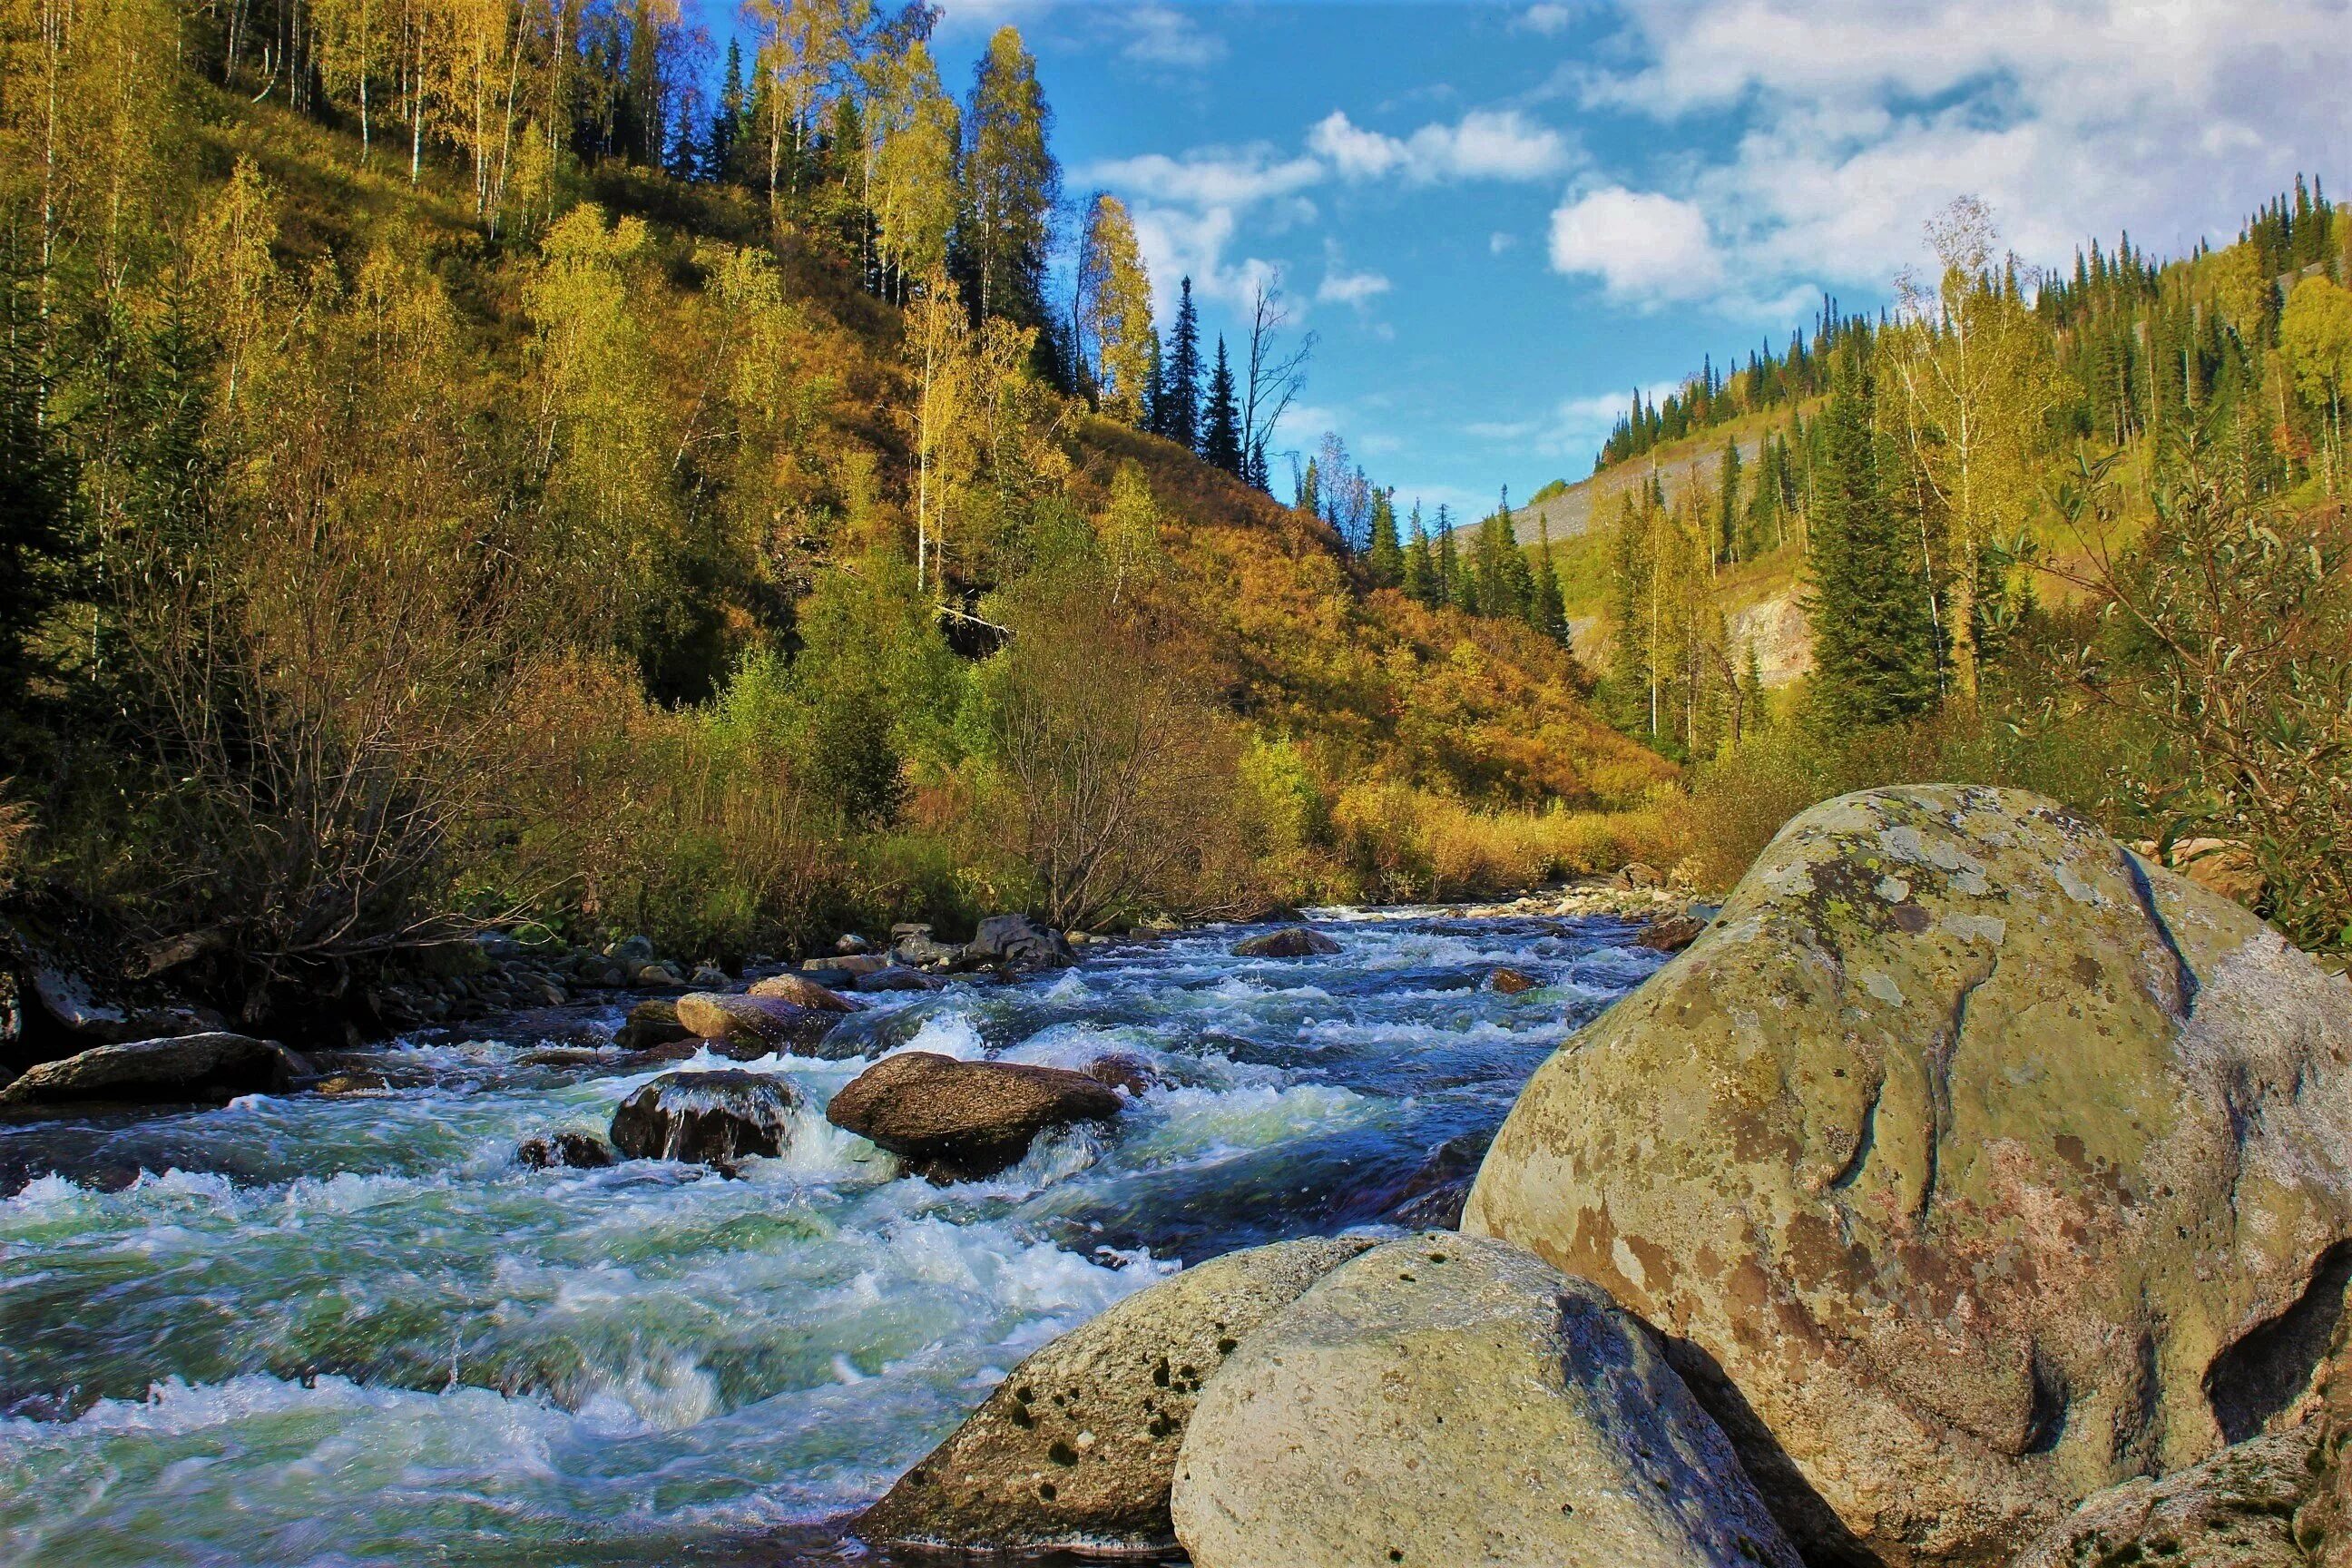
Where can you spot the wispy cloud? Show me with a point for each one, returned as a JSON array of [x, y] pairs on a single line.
[[1165, 35], [1570, 429]]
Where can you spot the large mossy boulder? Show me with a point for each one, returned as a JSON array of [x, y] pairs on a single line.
[[212, 1067], [2237, 1509], [1974, 1164], [957, 1121], [1077, 1450], [1446, 1400]]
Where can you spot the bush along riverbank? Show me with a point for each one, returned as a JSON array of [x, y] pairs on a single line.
[[1971, 1190]]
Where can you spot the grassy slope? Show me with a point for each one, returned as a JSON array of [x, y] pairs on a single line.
[[1375, 685]]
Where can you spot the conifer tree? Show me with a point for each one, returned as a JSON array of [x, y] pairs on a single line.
[[1874, 647], [1310, 491], [1727, 526], [1384, 557], [1547, 612], [725, 121], [1420, 566], [1182, 391], [1220, 432], [1449, 562]]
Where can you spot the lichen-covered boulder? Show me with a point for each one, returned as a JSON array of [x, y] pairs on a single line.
[[2237, 1509], [1078, 1447], [1445, 1400], [1971, 1161], [752, 1025], [957, 1121], [210, 1067], [708, 1118]]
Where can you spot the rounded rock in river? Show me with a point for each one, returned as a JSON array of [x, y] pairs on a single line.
[[708, 1118], [957, 1121]]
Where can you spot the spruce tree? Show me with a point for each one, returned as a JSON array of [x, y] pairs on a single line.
[[1547, 612], [1420, 566], [727, 120], [1727, 526], [1384, 559], [1181, 390], [1221, 434], [1310, 491], [1449, 563], [1258, 476], [1874, 644]]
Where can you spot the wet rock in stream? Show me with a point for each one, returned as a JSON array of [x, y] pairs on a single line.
[[707, 1118]]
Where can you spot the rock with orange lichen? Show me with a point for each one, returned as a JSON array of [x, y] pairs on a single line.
[[1972, 1163]]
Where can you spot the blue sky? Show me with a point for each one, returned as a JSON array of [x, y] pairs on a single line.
[[1499, 218]]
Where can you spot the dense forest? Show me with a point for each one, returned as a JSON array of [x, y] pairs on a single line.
[[2087, 532], [459, 476]]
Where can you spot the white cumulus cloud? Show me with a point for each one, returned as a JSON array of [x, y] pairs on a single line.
[[1644, 245], [1357, 288]]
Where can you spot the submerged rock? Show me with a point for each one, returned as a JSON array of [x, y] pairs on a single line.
[[214, 1066], [709, 1117], [803, 992], [1291, 941], [651, 1023], [1078, 1447], [1975, 1165], [1508, 981], [1017, 942], [956, 1121], [578, 1151], [752, 1025], [1444, 1400]]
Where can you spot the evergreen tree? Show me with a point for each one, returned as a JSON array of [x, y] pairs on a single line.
[[1310, 491], [1384, 558], [1874, 642], [1449, 562], [1221, 434], [1258, 475], [1420, 566], [1727, 522], [1155, 390], [1182, 391], [35, 493], [1547, 612], [727, 120]]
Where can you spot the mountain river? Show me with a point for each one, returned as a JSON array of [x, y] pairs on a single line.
[[354, 1329]]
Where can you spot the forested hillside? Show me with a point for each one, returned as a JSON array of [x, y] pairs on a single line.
[[456, 474], [2083, 529]]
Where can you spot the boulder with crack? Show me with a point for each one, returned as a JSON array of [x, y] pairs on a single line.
[[1972, 1163]]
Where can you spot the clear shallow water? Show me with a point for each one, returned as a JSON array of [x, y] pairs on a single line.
[[354, 1331]]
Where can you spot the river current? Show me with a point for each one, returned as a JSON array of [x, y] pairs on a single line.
[[354, 1329]]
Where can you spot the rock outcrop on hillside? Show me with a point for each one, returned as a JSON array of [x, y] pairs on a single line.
[[1971, 1164]]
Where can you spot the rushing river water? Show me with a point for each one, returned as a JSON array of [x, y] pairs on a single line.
[[353, 1330]]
